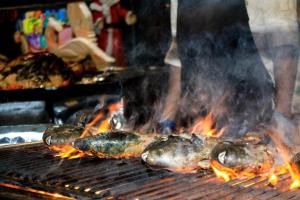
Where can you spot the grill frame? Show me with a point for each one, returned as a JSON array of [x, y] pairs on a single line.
[[34, 166]]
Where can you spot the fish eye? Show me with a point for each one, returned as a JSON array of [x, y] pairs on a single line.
[[118, 126], [222, 157], [145, 155], [48, 140]]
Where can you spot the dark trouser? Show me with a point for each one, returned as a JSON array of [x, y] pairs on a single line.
[[222, 71]]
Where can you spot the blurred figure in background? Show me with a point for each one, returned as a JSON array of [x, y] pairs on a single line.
[[221, 72], [275, 31]]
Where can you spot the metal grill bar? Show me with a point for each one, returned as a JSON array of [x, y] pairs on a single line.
[[35, 166]]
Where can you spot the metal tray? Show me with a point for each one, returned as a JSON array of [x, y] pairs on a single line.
[[25, 133]]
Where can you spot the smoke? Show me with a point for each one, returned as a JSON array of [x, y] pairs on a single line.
[[286, 130], [222, 71]]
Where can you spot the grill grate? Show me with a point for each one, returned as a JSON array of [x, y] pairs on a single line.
[[33, 166]]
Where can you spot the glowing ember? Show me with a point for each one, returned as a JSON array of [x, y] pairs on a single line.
[[222, 172], [205, 126], [51, 195]]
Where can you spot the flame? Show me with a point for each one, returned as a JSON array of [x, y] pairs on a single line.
[[285, 153], [105, 125], [273, 179], [275, 172], [71, 153], [205, 126], [279, 169], [294, 175], [91, 124], [295, 184], [67, 151], [223, 172]]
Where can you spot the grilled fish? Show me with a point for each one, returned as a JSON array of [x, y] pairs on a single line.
[[35, 70], [179, 153], [115, 144], [247, 157], [59, 135]]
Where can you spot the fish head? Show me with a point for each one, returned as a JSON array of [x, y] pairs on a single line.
[[171, 152], [229, 154], [61, 134]]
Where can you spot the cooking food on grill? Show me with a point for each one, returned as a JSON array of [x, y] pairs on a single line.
[[59, 135], [247, 157], [35, 71], [116, 144], [179, 153]]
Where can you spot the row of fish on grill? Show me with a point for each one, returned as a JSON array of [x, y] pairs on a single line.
[[184, 153]]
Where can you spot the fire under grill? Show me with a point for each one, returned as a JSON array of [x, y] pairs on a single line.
[[32, 172]]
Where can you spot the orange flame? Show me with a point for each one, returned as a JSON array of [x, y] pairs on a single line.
[[273, 179], [294, 175], [295, 184], [51, 195], [104, 126], [222, 172], [274, 172], [67, 151], [279, 169], [205, 126], [285, 153]]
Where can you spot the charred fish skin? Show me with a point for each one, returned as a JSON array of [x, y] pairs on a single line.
[[113, 144], [250, 157], [177, 153], [61, 134]]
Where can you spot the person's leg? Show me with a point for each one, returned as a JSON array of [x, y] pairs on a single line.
[[285, 60]]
